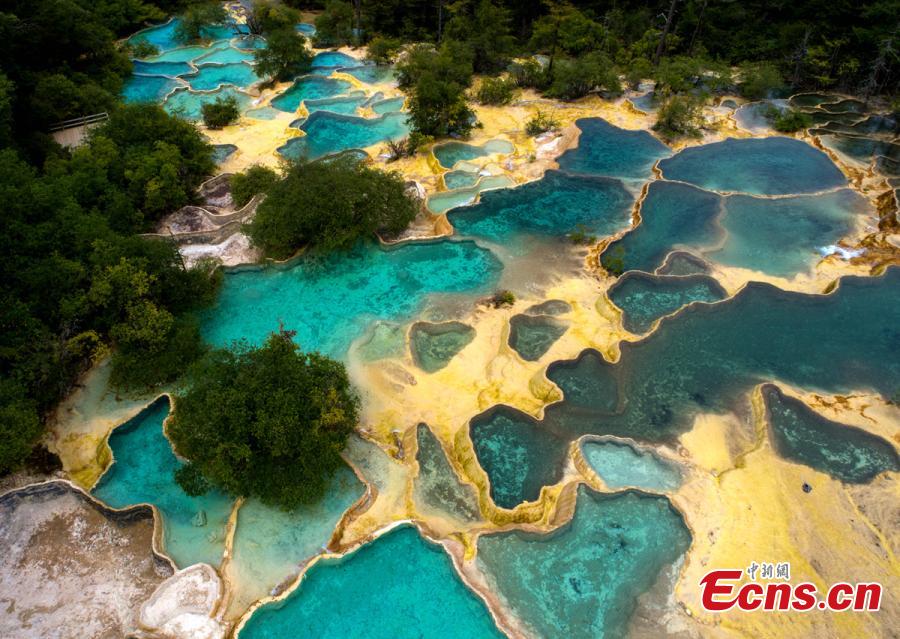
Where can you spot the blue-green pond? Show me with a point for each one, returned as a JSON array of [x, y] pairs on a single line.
[[396, 587], [328, 133], [584, 579], [844, 452], [621, 465], [143, 471], [330, 300], [644, 298]]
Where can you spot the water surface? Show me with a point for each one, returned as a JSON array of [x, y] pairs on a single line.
[[396, 587], [330, 300], [583, 580], [844, 452], [143, 471]]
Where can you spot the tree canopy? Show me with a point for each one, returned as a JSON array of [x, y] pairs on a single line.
[[436, 81], [285, 57], [813, 43], [76, 281], [268, 422], [329, 204]]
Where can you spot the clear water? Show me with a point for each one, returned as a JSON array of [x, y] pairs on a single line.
[[460, 179], [782, 237], [752, 117], [766, 166], [861, 149], [804, 100], [682, 263], [553, 206], [437, 488], [222, 152], [148, 88], [346, 105], [309, 87], [170, 69], [434, 345], [848, 105], [263, 113], [144, 472], [186, 54], [779, 236], [446, 200], [645, 298], [188, 104], [306, 29], [331, 300], [672, 215], [396, 587], [583, 580], [371, 74], [328, 133], [550, 307], [622, 466], [703, 360], [250, 42], [532, 335], [449, 153], [382, 341], [391, 105], [211, 76], [604, 149], [646, 103], [518, 455], [334, 60], [270, 544], [161, 36], [229, 55], [844, 452]]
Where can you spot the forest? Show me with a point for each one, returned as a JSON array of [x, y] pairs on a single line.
[[79, 283]]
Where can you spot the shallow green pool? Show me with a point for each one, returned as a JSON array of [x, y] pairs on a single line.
[[584, 579], [396, 587], [143, 471], [331, 300]]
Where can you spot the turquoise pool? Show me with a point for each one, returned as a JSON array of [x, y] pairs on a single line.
[[328, 133], [584, 579], [330, 300], [143, 471], [419, 597]]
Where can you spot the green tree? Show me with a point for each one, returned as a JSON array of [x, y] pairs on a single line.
[[540, 122], [7, 95], [573, 79], [255, 180], [436, 82], [789, 121], [484, 26], [220, 113], [497, 91], [268, 422], [285, 57], [198, 16], [267, 16], [20, 427], [330, 205], [680, 115], [382, 49], [334, 26], [568, 31], [759, 79]]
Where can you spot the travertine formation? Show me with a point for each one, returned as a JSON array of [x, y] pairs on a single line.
[[69, 567]]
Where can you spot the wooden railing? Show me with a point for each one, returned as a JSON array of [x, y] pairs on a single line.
[[83, 120]]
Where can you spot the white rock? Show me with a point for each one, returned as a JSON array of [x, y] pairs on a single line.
[[182, 607]]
